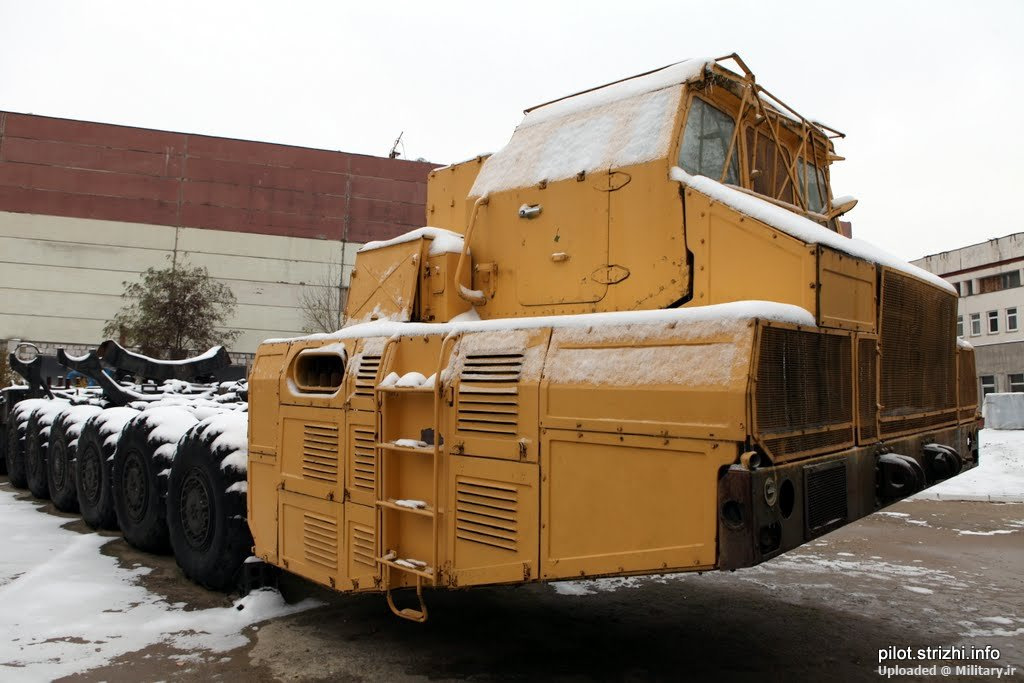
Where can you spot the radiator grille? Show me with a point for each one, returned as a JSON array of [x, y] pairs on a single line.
[[363, 546], [487, 513], [826, 496], [364, 460], [320, 540], [804, 392], [366, 375], [867, 388], [320, 452], [489, 393], [918, 333], [968, 384]]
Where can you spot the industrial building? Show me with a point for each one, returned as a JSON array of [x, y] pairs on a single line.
[[987, 276], [86, 206]]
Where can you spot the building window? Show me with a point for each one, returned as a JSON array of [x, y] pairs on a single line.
[[995, 283], [988, 385], [975, 324], [968, 288], [1016, 382], [960, 325], [1011, 319], [993, 322]]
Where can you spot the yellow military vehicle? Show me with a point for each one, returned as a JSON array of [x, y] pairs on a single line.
[[632, 341]]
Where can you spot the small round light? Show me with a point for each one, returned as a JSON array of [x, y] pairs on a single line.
[[771, 493]]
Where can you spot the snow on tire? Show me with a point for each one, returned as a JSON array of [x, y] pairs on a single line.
[[206, 501], [94, 464], [142, 460], [15, 451], [37, 438], [60, 455]]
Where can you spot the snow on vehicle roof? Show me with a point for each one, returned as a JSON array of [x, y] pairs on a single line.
[[621, 124], [803, 229], [737, 310], [444, 241]]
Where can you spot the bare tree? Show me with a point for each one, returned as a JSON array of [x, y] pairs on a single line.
[[322, 301]]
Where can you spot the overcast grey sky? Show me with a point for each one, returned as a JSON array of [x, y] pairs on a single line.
[[928, 93]]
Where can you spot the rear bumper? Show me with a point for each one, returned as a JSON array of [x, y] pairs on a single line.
[[765, 511]]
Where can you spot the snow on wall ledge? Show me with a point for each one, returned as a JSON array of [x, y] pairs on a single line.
[[801, 228], [737, 310]]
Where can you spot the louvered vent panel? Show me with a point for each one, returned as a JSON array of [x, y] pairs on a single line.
[[320, 540], [363, 546], [364, 460], [489, 393], [487, 513], [320, 452], [366, 376], [826, 496]]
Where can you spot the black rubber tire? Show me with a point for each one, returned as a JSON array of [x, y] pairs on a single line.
[[15, 454], [3, 442], [94, 484], [60, 467], [35, 457], [139, 491], [207, 524]]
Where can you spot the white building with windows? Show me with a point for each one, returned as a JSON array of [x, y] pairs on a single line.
[[988, 277]]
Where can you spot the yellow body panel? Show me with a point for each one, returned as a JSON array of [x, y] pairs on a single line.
[[550, 451]]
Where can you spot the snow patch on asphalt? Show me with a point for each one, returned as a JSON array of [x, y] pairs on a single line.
[[998, 478], [68, 608]]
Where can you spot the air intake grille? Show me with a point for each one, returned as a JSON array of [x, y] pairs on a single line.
[[489, 393], [364, 460], [804, 392], [867, 387], [826, 496], [487, 513], [918, 335], [968, 384], [363, 545], [320, 540], [320, 452], [366, 375]]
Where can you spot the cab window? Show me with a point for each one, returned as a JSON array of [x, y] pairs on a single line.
[[814, 182], [706, 141]]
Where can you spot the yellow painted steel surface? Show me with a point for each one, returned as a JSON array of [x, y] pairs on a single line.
[[558, 451]]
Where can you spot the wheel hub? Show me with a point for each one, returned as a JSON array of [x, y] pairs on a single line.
[[89, 473], [195, 510], [58, 463], [136, 493]]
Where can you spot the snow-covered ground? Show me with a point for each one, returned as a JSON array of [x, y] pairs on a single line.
[[999, 477], [65, 607]]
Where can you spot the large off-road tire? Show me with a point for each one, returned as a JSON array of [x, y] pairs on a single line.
[[14, 455], [138, 490], [35, 456], [60, 476], [3, 443], [15, 452], [94, 483], [206, 510]]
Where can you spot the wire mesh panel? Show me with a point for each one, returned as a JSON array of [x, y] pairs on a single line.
[[867, 388], [968, 396], [918, 340], [804, 397]]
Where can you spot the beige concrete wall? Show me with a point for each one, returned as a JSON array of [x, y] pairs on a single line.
[[61, 278]]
